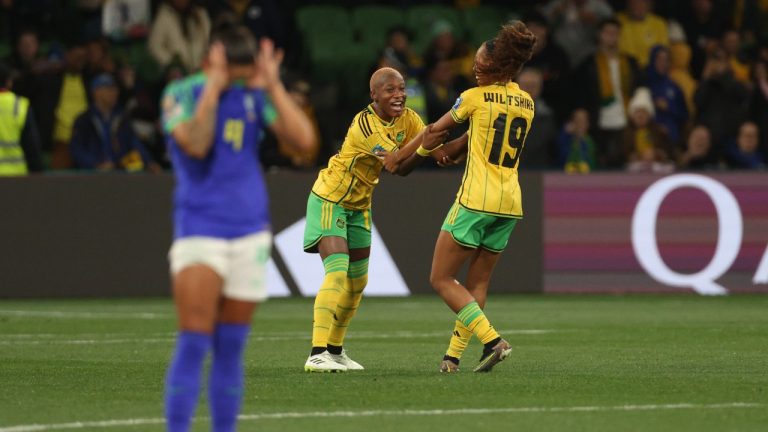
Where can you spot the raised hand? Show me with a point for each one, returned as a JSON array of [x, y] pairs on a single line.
[[268, 63], [217, 73]]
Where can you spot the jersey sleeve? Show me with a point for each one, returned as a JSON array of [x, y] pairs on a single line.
[[463, 107], [178, 106], [268, 112]]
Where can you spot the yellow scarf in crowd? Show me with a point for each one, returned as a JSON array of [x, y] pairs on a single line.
[[604, 78], [643, 141]]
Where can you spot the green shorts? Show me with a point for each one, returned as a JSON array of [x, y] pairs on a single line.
[[325, 219], [474, 229]]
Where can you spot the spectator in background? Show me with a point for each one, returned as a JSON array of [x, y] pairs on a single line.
[[641, 30], [744, 17], [180, 30], [680, 66], [744, 152], [62, 97], [698, 148], [28, 64], [125, 19], [576, 147], [141, 100], [398, 48], [444, 45], [758, 106], [703, 27], [721, 103], [603, 85], [103, 138], [540, 141], [575, 25], [646, 145], [668, 98], [19, 140], [440, 87], [98, 59], [731, 43], [549, 58], [261, 17]]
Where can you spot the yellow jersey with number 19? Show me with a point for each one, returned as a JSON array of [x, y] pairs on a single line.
[[500, 117]]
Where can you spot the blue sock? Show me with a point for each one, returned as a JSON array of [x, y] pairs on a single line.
[[182, 384], [225, 386]]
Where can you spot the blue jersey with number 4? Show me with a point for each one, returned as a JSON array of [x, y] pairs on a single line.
[[222, 195]]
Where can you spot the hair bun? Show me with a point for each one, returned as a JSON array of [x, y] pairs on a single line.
[[513, 46]]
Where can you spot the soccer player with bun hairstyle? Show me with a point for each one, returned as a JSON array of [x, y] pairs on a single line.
[[213, 121], [488, 204]]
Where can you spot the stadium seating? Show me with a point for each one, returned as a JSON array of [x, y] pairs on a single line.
[[5, 49], [482, 22], [313, 18], [372, 22], [421, 18]]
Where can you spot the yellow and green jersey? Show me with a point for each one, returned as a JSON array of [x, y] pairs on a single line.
[[352, 174], [499, 119]]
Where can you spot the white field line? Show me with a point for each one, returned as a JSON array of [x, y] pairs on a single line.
[[389, 413], [49, 339], [85, 315]]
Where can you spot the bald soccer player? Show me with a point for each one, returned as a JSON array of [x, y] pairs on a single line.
[[339, 214]]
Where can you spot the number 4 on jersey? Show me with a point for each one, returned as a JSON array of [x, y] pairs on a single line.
[[517, 131]]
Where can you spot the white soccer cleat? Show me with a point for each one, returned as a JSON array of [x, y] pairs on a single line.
[[323, 362], [343, 359]]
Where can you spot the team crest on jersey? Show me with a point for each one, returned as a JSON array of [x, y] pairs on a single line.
[[400, 136], [340, 223], [170, 107], [457, 104]]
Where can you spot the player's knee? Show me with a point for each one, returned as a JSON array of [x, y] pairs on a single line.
[[439, 282]]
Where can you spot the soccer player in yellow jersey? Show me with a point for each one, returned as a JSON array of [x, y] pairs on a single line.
[[488, 204], [339, 214]]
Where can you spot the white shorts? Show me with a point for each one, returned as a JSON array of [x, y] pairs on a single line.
[[241, 262]]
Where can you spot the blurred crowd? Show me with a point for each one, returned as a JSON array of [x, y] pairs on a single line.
[[630, 85]]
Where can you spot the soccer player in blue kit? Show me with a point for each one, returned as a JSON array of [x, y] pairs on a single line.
[[214, 121]]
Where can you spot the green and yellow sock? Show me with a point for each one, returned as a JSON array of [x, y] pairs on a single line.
[[474, 319], [459, 340], [349, 301], [336, 267]]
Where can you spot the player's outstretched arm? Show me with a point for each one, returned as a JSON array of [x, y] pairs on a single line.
[[195, 137], [291, 125], [432, 137]]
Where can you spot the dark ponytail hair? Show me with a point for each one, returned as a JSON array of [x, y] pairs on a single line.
[[510, 49]]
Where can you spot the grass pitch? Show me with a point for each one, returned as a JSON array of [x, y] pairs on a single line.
[[671, 363]]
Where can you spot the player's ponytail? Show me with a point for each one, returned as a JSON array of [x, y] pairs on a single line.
[[510, 49]]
